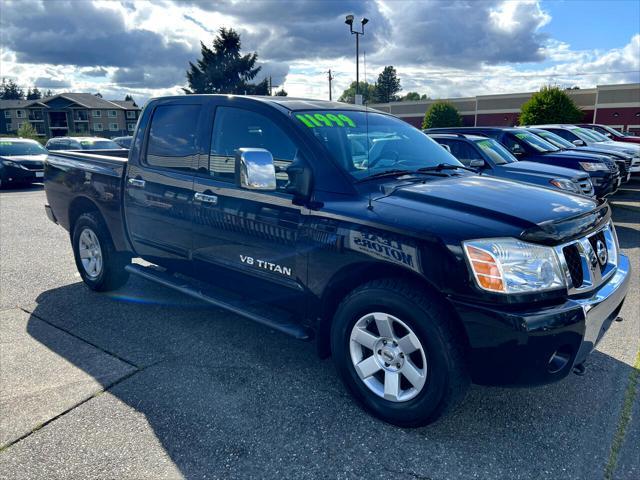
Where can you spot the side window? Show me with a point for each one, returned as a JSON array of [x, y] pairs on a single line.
[[172, 137], [236, 128], [512, 144], [463, 152], [564, 134]]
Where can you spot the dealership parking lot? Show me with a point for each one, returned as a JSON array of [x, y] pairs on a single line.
[[146, 383]]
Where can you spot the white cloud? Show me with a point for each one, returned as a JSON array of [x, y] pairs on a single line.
[[463, 47]]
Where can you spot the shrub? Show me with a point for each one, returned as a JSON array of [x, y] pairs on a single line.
[[442, 114], [550, 105]]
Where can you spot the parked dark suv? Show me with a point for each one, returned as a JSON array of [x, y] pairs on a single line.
[[491, 158], [527, 146]]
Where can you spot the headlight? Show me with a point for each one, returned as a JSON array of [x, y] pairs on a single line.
[[564, 184], [507, 265], [9, 163], [594, 167]]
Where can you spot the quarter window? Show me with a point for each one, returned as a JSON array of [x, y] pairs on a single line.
[[236, 128], [172, 137]]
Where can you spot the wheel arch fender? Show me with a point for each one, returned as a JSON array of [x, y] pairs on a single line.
[[351, 277]]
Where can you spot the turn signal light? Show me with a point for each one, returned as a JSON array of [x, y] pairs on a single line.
[[485, 268]]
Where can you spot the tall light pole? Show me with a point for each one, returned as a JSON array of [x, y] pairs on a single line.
[[349, 21]]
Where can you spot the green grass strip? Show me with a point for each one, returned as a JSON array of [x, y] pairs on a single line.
[[625, 419]]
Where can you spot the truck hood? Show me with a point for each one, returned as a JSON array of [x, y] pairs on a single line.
[[26, 158], [630, 147], [541, 170], [576, 154], [490, 205]]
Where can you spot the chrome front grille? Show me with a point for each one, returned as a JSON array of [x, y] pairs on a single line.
[[590, 261]]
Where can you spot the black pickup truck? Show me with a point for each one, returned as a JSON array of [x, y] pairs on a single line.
[[351, 228]]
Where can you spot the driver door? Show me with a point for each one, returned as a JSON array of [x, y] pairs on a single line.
[[247, 240]]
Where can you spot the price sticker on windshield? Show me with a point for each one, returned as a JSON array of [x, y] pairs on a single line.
[[6, 143], [87, 142], [325, 120]]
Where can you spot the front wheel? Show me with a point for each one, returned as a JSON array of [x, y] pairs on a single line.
[[101, 267], [398, 352]]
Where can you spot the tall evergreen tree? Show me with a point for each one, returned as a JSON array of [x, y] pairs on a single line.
[[9, 90], [34, 94], [129, 98], [49, 93], [388, 85], [223, 69]]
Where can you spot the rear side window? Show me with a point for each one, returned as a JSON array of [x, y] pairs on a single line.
[[236, 128], [172, 137], [463, 152]]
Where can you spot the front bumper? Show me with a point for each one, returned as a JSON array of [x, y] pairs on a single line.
[[21, 174], [512, 346]]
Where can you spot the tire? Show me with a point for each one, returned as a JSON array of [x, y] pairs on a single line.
[[107, 273], [437, 367]]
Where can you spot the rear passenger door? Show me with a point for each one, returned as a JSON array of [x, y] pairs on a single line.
[[159, 186], [246, 239]]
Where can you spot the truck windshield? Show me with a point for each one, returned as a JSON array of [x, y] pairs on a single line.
[[554, 139], [10, 148], [495, 151], [536, 142], [365, 144]]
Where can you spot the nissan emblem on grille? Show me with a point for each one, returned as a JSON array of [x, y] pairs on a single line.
[[601, 252]]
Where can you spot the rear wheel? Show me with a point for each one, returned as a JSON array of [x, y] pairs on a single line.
[[398, 353], [101, 267]]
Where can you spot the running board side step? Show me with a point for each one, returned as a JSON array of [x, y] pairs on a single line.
[[266, 315]]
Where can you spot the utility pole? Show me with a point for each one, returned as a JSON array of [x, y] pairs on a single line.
[[330, 78], [270, 86]]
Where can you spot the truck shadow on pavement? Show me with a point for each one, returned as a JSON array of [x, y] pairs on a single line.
[[227, 398]]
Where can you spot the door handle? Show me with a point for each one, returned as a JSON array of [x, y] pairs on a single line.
[[201, 197], [136, 182]]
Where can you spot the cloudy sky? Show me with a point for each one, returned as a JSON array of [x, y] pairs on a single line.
[[441, 48]]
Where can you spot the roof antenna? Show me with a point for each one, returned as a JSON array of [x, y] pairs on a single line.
[[366, 116]]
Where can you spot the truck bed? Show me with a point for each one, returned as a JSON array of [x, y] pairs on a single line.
[[78, 178]]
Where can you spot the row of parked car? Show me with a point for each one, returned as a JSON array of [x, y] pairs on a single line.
[[22, 160], [568, 157]]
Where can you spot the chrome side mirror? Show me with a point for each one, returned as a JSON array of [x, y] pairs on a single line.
[[578, 143], [255, 169], [477, 163]]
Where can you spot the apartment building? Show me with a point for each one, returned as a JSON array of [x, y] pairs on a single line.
[[70, 113]]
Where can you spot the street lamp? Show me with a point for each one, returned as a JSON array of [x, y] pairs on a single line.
[[349, 21]]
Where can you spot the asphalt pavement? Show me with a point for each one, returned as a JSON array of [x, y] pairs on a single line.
[[147, 383]]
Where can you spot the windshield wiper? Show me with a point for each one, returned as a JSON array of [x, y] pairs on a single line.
[[445, 166], [386, 173]]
